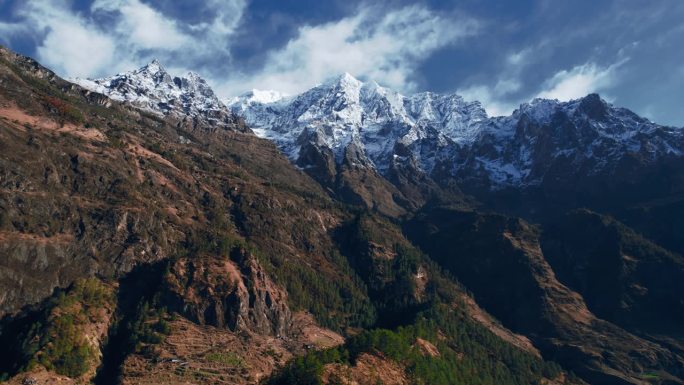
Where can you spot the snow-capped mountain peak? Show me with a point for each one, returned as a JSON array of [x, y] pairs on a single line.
[[368, 125], [347, 82], [152, 67], [246, 100], [429, 129], [346, 110], [153, 89], [264, 96]]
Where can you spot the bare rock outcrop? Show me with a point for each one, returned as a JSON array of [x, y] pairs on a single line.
[[232, 292]]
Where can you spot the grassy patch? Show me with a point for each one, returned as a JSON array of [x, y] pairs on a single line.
[[226, 358], [650, 376]]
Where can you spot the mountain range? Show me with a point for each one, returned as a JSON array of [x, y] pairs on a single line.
[[154, 233], [443, 137]]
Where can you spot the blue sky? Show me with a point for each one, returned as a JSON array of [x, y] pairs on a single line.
[[501, 52]]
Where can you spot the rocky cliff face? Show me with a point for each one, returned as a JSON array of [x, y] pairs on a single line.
[[576, 150], [232, 292]]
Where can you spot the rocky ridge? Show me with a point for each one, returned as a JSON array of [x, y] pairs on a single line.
[[436, 134], [347, 112], [443, 135], [188, 97]]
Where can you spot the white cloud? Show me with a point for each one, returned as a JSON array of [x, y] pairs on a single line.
[[495, 99], [519, 58], [9, 30], [144, 27], [70, 45], [228, 14], [579, 81], [489, 97], [384, 47], [564, 85], [74, 44]]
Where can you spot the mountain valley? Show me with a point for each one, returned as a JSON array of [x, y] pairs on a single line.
[[154, 233]]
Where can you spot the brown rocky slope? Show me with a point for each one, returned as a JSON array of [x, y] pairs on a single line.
[[501, 261], [223, 258]]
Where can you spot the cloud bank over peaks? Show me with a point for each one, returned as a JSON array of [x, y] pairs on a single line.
[[383, 46], [564, 85], [580, 81], [117, 35]]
